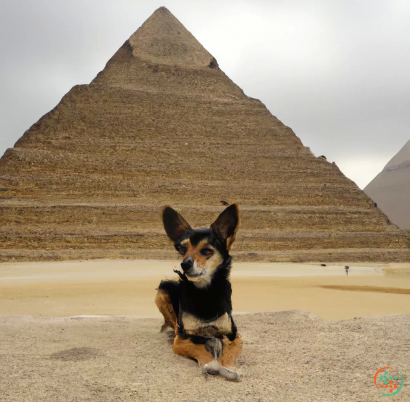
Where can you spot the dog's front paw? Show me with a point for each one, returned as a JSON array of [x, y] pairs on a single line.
[[230, 374], [212, 368]]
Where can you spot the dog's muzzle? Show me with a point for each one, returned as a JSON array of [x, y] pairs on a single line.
[[188, 266]]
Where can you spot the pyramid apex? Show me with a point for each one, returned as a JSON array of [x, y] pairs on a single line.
[[162, 39], [162, 9], [401, 159]]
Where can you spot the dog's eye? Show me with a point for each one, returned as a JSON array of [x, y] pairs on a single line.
[[207, 252], [182, 250]]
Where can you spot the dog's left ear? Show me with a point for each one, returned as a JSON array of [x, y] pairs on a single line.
[[174, 223], [227, 224]]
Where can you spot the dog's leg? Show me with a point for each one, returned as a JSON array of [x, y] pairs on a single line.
[[163, 302], [193, 346], [230, 374], [216, 347], [208, 352], [231, 350]]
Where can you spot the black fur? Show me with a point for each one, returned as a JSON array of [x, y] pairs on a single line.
[[206, 303]]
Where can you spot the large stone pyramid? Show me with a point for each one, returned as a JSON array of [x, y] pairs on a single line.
[[162, 124], [390, 189]]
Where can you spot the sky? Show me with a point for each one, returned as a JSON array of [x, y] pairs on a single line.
[[335, 71]]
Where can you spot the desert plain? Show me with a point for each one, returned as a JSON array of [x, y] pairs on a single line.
[[127, 288], [89, 330]]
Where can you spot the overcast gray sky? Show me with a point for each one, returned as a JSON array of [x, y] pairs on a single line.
[[336, 71]]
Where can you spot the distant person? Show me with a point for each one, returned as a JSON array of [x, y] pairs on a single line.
[[347, 269]]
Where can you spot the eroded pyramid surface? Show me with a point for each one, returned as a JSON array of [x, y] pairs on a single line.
[[163, 125]]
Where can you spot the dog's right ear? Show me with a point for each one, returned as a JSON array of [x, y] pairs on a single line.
[[227, 224], [174, 223]]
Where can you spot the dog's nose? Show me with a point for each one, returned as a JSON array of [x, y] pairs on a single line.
[[187, 264]]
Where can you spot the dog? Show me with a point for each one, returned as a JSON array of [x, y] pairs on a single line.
[[198, 306]]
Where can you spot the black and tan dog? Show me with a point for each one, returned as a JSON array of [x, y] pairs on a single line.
[[198, 306]]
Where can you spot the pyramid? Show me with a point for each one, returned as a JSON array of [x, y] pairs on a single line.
[[390, 189], [163, 125]]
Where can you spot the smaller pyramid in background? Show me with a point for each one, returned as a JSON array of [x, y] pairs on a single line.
[[390, 189]]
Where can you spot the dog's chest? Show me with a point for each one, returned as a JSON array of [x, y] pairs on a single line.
[[195, 326]]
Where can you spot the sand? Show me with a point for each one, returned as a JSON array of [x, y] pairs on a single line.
[[51, 351], [127, 288], [287, 356]]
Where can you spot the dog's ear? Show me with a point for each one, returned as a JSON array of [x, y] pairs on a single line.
[[174, 223], [227, 224]]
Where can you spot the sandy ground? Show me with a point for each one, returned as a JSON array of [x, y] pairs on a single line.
[[127, 288], [287, 356]]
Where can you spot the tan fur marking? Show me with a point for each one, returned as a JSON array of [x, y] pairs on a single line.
[[164, 305], [191, 251], [231, 351], [185, 347]]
